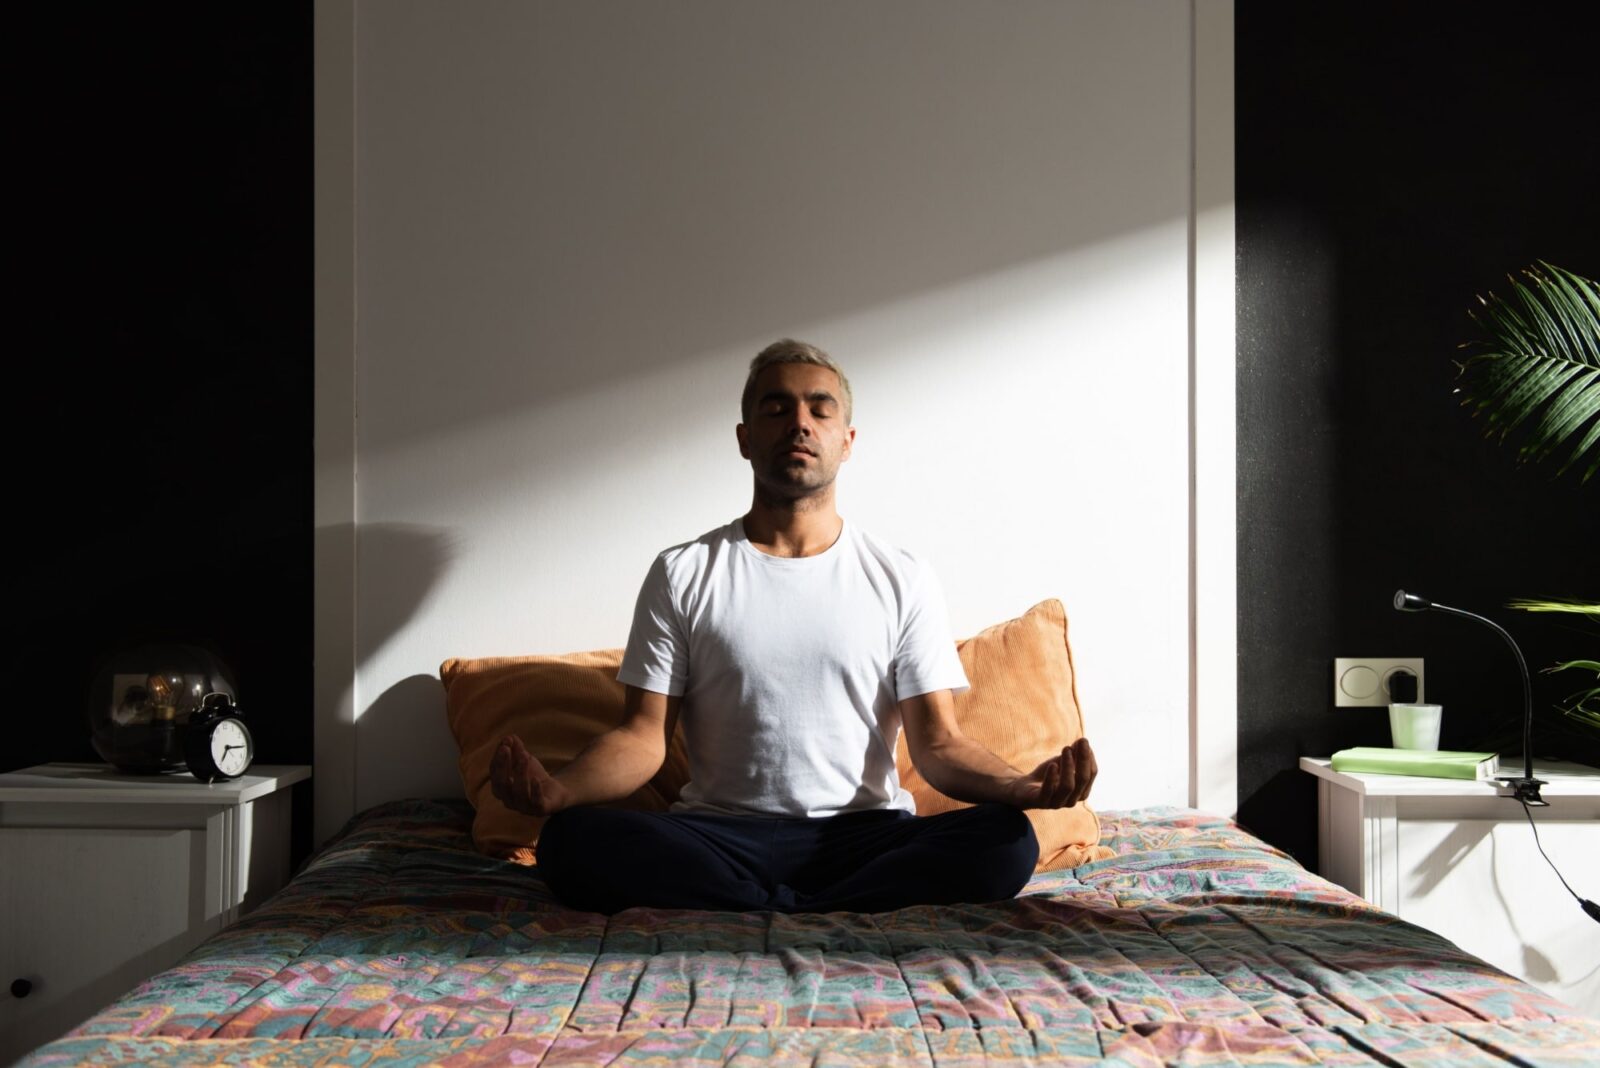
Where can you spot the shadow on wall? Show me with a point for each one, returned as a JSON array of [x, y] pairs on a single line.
[[606, 219], [405, 726], [1290, 790], [404, 732], [411, 559]]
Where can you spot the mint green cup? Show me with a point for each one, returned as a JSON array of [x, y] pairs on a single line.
[[1415, 726]]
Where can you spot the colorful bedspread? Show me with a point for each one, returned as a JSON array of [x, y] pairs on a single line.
[[1197, 945]]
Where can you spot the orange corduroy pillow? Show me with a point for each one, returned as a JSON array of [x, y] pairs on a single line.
[[556, 704], [1022, 703]]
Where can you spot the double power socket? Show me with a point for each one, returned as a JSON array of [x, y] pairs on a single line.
[[1363, 681]]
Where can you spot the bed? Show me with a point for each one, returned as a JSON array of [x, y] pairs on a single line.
[[400, 943], [422, 933]]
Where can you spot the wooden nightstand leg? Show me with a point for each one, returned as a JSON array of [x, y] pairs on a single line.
[[221, 840], [1380, 883], [1325, 833], [1357, 845], [1341, 845]]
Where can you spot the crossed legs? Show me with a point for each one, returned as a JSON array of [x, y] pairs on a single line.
[[606, 860]]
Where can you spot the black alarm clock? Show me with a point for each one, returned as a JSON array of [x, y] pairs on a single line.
[[216, 743]]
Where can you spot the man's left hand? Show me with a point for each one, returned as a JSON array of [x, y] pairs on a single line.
[[1060, 782]]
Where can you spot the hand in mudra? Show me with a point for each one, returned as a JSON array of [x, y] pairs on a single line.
[[521, 783], [1062, 781]]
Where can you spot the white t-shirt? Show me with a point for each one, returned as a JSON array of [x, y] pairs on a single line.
[[791, 669]]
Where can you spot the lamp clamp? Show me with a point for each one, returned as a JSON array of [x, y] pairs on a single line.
[[1525, 789]]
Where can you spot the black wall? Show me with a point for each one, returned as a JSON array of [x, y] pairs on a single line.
[[1394, 161], [159, 429]]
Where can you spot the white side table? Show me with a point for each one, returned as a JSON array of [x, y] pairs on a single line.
[[1459, 858], [108, 878]]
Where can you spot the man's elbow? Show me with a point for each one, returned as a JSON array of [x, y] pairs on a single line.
[[642, 746], [929, 760]]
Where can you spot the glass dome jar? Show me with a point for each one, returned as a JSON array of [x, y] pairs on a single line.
[[140, 699]]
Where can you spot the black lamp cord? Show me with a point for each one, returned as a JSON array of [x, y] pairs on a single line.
[[1525, 789], [1588, 906]]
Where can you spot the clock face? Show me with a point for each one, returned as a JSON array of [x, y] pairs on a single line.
[[230, 747]]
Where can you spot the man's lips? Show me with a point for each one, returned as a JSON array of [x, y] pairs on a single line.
[[798, 450]]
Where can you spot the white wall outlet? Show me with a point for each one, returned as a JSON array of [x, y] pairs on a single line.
[[1363, 681]]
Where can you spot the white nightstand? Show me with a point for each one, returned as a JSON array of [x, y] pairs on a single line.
[[107, 878], [1459, 858]]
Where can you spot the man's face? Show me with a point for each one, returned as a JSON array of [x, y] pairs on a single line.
[[796, 438]]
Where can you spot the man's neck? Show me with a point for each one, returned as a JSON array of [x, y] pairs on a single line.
[[793, 528]]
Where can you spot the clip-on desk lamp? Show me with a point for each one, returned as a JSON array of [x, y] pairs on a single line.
[[1524, 788]]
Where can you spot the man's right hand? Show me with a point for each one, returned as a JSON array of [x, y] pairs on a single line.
[[521, 782], [1060, 782]]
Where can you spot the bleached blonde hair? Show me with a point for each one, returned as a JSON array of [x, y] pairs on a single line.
[[788, 350]]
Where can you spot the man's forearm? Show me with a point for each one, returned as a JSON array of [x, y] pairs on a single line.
[[610, 768], [961, 768]]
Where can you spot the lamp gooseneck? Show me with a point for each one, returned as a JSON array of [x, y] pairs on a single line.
[[1527, 787]]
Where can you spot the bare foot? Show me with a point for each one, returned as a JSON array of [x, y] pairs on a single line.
[[520, 782]]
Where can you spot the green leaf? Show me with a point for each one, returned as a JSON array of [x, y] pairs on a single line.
[[1533, 604], [1538, 378], [1533, 390], [1570, 294], [1589, 442], [1551, 338], [1566, 414]]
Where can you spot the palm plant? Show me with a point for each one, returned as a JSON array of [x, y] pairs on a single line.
[[1584, 705], [1541, 368], [1537, 378]]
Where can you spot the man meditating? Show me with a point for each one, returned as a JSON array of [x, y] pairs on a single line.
[[795, 646]]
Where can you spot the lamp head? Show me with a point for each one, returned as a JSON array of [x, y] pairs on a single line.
[[1410, 602]]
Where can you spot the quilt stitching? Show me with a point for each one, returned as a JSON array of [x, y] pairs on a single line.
[[927, 1045]]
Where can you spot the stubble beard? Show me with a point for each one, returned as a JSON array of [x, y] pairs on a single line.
[[780, 489]]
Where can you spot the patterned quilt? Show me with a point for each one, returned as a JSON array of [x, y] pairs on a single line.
[[1197, 945]]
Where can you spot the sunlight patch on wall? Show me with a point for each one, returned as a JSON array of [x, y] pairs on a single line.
[[1025, 431]]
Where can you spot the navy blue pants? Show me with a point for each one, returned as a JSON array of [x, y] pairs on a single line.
[[606, 859]]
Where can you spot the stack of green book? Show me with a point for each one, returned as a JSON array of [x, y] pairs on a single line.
[[1434, 763]]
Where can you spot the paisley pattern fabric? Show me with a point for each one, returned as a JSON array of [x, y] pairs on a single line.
[[1196, 944]]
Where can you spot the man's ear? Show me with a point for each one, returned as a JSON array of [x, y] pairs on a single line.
[[744, 440], [849, 440]]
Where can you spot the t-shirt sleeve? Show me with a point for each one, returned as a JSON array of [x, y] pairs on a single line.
[[926, 659], [657, 657]]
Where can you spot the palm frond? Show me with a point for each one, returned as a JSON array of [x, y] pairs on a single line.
[[1582, 608], [1539, 373]]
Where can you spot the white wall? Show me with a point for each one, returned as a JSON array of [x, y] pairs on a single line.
[[574, 223]]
